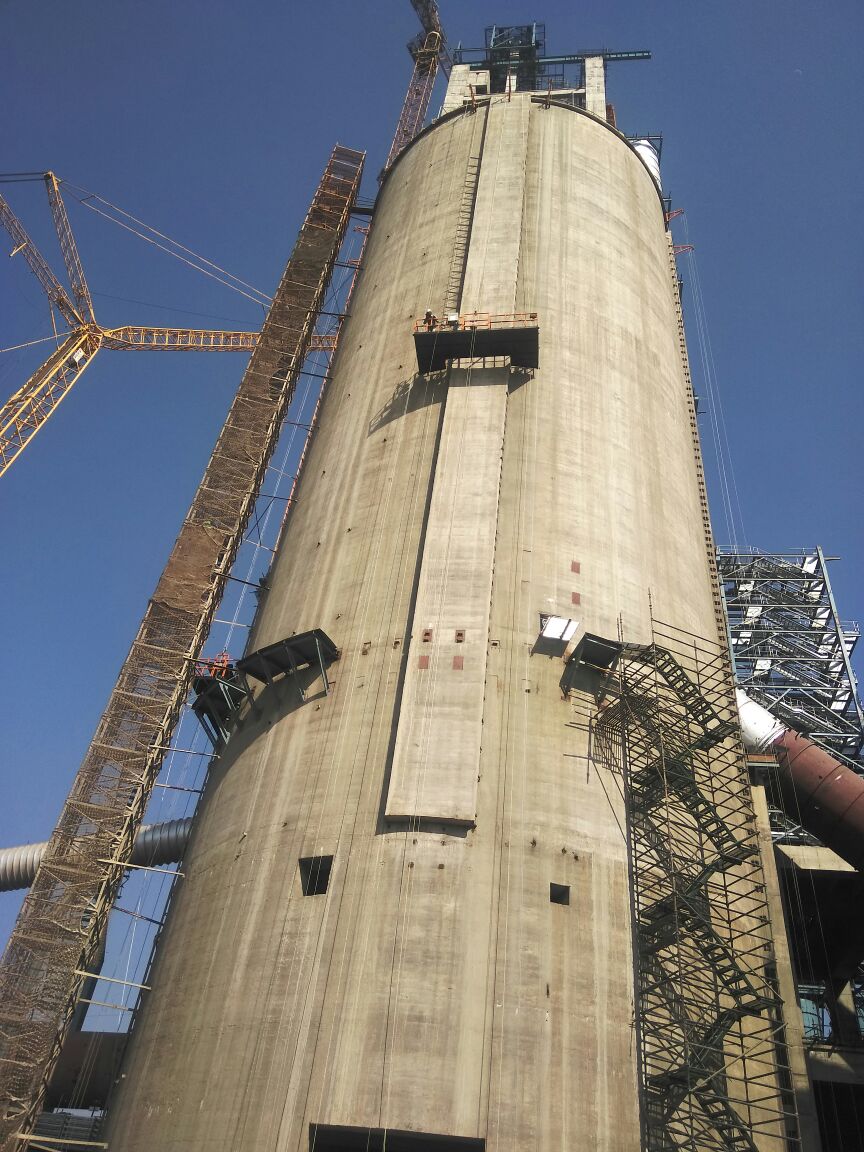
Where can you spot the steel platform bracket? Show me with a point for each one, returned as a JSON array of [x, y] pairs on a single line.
[[290, 656], [217, 699]]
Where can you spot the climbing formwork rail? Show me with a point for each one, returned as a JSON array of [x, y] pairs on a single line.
[[56, 940]]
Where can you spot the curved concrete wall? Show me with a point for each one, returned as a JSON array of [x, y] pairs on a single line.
[[435, 987]]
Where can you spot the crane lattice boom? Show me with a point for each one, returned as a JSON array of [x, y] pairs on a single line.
[[51, 286], [26, 411], [428, 15], [69, 248], [428, 50]]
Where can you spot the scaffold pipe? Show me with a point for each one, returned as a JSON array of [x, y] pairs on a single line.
[[156, 844], [817, 791]]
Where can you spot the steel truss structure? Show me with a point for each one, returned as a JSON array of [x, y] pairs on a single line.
[[426, 50], [55, 946], [713, 1067], [27, 410], [792, 651]]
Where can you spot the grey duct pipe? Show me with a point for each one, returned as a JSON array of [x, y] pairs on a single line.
[[156, 844], [821, 793]]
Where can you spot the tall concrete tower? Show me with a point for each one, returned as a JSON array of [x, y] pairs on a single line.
[[407, 912]]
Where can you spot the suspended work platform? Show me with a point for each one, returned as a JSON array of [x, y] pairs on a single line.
[[221, 687], [474, 336], [219, 691]]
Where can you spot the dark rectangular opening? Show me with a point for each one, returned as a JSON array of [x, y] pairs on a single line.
[[340, 1138], [315, 874], [840, 1108], [559, 893]]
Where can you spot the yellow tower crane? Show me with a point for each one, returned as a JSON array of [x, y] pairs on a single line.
[[24, 413]]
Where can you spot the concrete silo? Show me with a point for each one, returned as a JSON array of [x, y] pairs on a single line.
[[407, 912]]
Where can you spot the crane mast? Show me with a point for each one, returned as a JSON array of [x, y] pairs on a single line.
[[51, 286], [69, 249], [428, 50]]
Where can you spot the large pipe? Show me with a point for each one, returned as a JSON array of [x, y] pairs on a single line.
[[156, 844], [821, 793]]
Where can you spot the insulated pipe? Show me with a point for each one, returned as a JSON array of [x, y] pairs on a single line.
[[821, 793], [155, 844]]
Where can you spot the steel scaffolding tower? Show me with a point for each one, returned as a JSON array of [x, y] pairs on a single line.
[[792, 652], [55, 945], [714, 1071]]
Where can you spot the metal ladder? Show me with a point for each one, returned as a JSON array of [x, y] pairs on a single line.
[[462, 238]]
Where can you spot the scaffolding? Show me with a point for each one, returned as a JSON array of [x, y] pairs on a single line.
[[713, 1066], [55, 946], [88, 1063], [791, 650]]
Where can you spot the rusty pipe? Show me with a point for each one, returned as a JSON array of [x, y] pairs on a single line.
[[818, 791], [825, 796]]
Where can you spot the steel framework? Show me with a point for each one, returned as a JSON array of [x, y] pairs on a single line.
[[56, 941], [713, 1067], [792, 652], [428, 51]]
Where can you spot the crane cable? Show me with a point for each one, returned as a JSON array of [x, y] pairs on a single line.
[[87, 199], [41, 340], [730, 497]]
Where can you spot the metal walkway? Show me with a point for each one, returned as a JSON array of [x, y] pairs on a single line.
[[713, 1067]]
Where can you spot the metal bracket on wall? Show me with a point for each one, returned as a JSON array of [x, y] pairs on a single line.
[[290, 656]]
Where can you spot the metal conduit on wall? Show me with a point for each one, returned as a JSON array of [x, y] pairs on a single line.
[[156, 844]]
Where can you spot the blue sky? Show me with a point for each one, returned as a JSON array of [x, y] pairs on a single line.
[[213, 123]]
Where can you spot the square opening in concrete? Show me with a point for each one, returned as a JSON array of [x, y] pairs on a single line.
[[315, 874], [339, 1138], [559, 893]]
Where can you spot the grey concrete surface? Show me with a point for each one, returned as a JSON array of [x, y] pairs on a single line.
[[595, 86], [460, 85], [445, 680], [800, 1068], [435, 987]]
